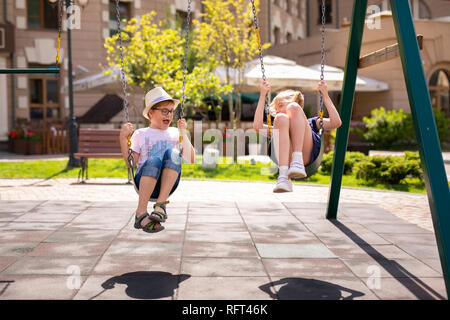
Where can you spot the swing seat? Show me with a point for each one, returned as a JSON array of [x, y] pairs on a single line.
[[312, 167]]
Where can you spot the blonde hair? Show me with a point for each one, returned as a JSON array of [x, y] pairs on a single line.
[[290, 95]]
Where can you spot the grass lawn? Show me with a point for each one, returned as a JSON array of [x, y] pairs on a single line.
[[103, 168]]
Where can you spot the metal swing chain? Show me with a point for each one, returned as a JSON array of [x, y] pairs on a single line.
[[60, 18], [258, 38], [124, 85], [122, 68], [322, 63], [186, 47]]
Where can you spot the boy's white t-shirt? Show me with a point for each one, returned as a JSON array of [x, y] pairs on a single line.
[[148, 141]]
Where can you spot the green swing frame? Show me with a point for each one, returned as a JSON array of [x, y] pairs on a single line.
[[423, 119]]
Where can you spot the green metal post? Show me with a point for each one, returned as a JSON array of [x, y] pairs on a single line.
[[346, 104], [426, 133], [51, 70]]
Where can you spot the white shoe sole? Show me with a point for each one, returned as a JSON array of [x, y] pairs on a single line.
[[281, 190], [296, 174]]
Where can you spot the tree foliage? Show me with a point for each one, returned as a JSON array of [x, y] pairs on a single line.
[[154, 56]]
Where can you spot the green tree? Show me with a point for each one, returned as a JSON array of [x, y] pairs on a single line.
[[154, 55], [225, 37]]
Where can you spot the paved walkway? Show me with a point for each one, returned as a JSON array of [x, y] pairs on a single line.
[[223, 240]]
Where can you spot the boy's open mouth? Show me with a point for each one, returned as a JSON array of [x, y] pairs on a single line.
[[166, 121]]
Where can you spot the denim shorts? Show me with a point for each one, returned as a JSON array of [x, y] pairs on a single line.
[[154, 166]]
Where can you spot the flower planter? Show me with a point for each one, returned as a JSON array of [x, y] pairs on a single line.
[[35, 147], [20, 146]]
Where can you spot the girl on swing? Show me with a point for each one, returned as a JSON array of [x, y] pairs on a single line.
[[298, 142], [155, 151]]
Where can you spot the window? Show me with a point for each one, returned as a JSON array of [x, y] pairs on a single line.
[[419, 8], [276, 35], [42, 14], [181, 20], [439, 85], [289, 37], [44, 97], [124, 10], [328, 12]]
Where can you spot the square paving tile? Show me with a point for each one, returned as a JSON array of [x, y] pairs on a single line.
[[13, 206], [211, 204], [69, 249], [418, 238], [6, 262], [217, 226], [33, 226], [396, 228], [16, 249], [306, 268], [46, 217], [23, 236], [79, 235], [216, 236], [128, 248], [225, 250], [327, 288], [132, 234], [409, 288], [352, 251], [398, 268], [259, 206], [338, 237], [287, 250], [420, 251], [54, 287], [223, 288], [129, 286], [116, 265], [213, 211], [217, 267], [10, 216], [297, 237], [51, 265]]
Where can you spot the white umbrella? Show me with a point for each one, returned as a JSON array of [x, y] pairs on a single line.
[[334, 78], [282, 73]]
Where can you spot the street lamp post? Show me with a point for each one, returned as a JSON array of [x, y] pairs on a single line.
[[73, 143]]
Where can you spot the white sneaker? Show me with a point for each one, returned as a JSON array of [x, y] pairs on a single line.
[[283, 185], [296, 171]]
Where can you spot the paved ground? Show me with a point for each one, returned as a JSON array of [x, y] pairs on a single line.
[[223, 240]]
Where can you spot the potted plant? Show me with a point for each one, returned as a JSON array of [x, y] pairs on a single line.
[[34, 143], [18, 142]]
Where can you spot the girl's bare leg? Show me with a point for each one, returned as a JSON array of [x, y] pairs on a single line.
[[281, 140]]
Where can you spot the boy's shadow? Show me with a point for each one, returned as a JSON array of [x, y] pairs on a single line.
[[146, 284], [309, 289]]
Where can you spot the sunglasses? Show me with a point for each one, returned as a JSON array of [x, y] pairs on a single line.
[[165, 111]]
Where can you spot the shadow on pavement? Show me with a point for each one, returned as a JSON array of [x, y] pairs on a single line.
[[309, 289], [414, 285], [146, 284]]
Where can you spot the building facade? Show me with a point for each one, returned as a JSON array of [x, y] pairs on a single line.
[[40, 100], [431, 19]]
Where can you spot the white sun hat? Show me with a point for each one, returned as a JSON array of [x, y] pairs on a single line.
[[154, 96]]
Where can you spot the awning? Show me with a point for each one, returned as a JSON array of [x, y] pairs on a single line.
[[99, 83], [281, 74]]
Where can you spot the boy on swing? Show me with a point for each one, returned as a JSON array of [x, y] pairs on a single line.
[[155, 151], [298, 142]]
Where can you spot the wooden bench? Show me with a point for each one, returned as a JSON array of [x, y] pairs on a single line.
[[97, 143]]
